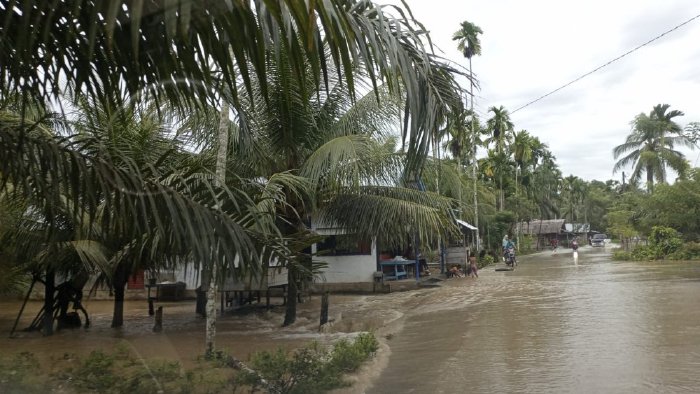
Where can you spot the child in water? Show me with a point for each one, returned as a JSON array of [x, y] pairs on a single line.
[[473, 269]]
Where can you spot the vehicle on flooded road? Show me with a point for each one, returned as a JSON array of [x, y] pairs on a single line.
[[598, 240]]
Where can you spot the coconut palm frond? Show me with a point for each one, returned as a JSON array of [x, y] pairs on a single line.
[[167, 50], [92, 254], [377, 116], [395, 214], [625, 161], [350, 160], [45, 170]]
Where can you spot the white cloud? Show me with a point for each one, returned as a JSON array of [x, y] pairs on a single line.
[[532, 47]]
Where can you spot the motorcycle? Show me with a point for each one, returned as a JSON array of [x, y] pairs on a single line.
[[510, 258]]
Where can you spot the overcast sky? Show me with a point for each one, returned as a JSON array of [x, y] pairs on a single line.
[[532, 47]]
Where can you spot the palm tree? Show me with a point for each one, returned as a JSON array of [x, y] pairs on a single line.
[[650, 148], [467, 38], [328, 157], [500, 127], [546, 185], [574, 192], [183, 50]]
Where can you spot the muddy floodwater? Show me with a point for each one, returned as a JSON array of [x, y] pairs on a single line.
[[548, 327], [552, 326]]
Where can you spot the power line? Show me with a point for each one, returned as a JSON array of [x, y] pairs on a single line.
[[608, 63]]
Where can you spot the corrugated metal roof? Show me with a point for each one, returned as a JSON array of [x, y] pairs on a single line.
[[465, 224]]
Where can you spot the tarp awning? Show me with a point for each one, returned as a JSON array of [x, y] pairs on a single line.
[[465, 224]]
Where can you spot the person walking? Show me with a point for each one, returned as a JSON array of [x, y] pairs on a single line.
[[473, 269]]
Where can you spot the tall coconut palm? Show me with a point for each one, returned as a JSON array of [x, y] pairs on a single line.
[[501, 129], [650, 148], [467, 38]]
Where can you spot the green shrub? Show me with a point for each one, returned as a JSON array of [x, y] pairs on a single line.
[[664, 241], [622, 255], [488, 259], [689, 251], [348, 356], [311, 369]]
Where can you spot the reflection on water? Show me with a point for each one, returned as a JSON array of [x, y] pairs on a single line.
[[551, 326]]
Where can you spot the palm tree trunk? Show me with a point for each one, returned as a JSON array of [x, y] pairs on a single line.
[[650, 179], [290, 312], [221, 158], [500, 190], [49, 291], [121, 275], [476, 200]]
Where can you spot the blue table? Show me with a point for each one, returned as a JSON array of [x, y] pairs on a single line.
[[398, 268]]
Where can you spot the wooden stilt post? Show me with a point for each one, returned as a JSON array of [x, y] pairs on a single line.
[[324, 308], [21, 310], [158, 327]]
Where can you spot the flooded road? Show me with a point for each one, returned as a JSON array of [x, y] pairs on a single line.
[[551, 326]]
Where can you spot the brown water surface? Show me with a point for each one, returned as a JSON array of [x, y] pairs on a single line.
[[549, 326], [552, 326]]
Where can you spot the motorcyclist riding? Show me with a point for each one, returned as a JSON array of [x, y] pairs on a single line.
[[508, 251]]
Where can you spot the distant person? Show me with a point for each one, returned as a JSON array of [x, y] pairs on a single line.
[[455, 272], [473, 269], [574, 246]]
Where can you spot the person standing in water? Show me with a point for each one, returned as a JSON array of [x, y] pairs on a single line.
[[473, 269]]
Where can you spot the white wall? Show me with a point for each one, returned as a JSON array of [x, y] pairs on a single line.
[[349, 269]]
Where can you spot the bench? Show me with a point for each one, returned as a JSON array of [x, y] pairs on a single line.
[[396, 269]]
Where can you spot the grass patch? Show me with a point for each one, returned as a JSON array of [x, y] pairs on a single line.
[[312, 369]]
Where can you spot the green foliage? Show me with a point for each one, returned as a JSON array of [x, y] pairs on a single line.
[[311, 369], [527, 243], [488, 259], [676, 206], [118, 372], [689, 251], [622, 255], [348, 356], [96, 372], [498, 225], [18, 374], [664, 241], [644, 253]]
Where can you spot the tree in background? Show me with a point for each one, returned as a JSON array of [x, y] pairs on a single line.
[[650, 148], [467, 38], [500, 128]]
